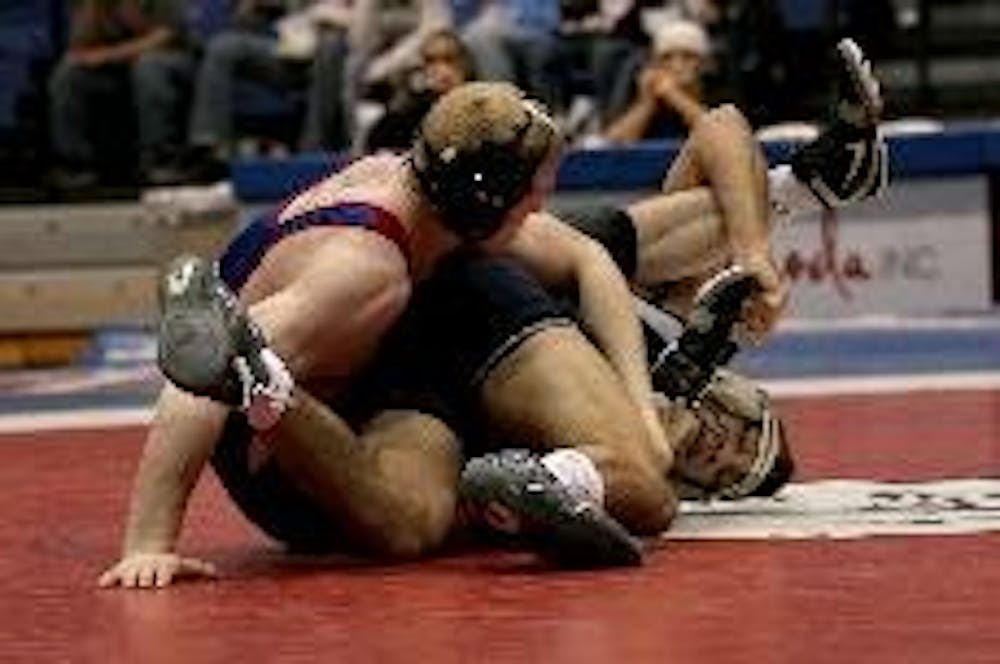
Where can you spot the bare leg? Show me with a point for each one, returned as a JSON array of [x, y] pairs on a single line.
[[556, 390], [690, 232], [716, 199], [392, 486]]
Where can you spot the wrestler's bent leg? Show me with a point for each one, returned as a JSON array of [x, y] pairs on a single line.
[[391, 486], [557, 390]]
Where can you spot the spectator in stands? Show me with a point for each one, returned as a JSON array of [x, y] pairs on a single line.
[[602, 39], [666, 97], [751, 46], [264, 43], [388, 36], [446, 65], [162, 91], [32, 39], [111, 42], [518, 41]]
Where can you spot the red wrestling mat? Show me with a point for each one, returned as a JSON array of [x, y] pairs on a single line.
[[884, 599]]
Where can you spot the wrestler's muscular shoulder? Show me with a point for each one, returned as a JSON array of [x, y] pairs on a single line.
[[346, 290], [349, 284], [368, 180]]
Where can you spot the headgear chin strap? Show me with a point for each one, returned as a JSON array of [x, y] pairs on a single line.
[[474, 187]]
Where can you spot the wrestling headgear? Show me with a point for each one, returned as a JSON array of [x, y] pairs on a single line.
[[476, 153], [730, 396]]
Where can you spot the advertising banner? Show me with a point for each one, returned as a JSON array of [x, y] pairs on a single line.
[[923, 248]]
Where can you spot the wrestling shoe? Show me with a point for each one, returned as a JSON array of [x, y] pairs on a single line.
[[711, 336], [208, 346], [516, 494], [849, 160]]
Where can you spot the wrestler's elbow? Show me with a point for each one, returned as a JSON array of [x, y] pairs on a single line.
[[653, 509], [419, 528], [407, 544], [640, 497], [591, 261]]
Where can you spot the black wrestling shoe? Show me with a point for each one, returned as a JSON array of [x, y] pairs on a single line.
[[849, 160], [207, 344], [565, 529], [710, 338]]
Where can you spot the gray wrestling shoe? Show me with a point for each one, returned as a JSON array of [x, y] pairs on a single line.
[[849, 160], [207, 344], [710, 338], [566, 529]]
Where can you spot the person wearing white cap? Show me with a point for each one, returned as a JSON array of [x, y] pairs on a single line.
[[667, 100]]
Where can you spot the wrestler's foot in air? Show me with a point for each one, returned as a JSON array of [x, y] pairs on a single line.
[[710, 338], [848, 162], [515, 493], [208, 345]]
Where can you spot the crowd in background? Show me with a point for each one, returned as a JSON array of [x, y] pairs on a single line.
[[161, 92]]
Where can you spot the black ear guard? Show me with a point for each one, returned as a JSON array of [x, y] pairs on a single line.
[[473, 189]]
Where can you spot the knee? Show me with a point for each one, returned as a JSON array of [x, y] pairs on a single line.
[[418, 529], [722, 125], [332, 46], [62, 79], [149, 70], [637, 491], [226, 47], [729, 117]]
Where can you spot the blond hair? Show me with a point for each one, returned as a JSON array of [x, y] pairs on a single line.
[[476, 114]]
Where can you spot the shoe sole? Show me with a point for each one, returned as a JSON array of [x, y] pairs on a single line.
[[584, 537], [724, 295], [713, 324], [866, 86], [868, 90], [195, 347]]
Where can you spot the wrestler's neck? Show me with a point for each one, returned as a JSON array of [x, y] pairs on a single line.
[[429, 240]]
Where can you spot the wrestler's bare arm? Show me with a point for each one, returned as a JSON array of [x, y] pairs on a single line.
[[562, 257], [179, 442]]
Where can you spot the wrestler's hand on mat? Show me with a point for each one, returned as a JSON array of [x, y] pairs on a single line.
[[765, 307], [154, 570]]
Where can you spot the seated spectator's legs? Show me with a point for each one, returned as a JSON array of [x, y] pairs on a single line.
[[328, 123], [227, 56], [622, 86], [537, 53], [505, 52], [485, 38], [69, 91], [611, 59], [76, 91], [161, 83]]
